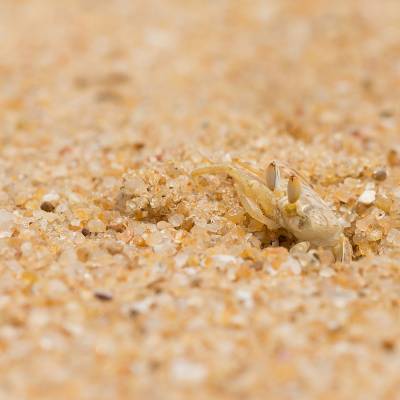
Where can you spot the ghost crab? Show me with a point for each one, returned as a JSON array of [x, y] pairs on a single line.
[[282, 198]]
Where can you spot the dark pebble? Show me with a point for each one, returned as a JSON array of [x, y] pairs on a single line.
[[47, 206], [380, 174], [85, 232], [103, 296]]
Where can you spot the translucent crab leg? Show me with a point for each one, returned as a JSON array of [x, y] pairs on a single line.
[[248, 167], [221, 169], [254, 210], [292, 171], [251, 186], [343, 251]]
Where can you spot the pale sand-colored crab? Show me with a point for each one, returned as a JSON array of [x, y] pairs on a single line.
[[281, 198]]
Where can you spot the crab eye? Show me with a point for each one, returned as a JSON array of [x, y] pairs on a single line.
[[293, 189], [272, 175]]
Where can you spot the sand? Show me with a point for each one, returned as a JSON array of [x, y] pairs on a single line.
[[121, 275]]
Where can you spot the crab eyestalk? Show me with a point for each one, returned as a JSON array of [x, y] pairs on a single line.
[[293, 189], [272, 175]]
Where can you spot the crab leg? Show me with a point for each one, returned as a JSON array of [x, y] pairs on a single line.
[[254, 210], [251, 187], [343, 250], [248, 167]]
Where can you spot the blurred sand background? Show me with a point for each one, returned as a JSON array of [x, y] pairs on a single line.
[[183, 299]]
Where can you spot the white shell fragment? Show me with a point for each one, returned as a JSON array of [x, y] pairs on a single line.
[[367, 197]]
